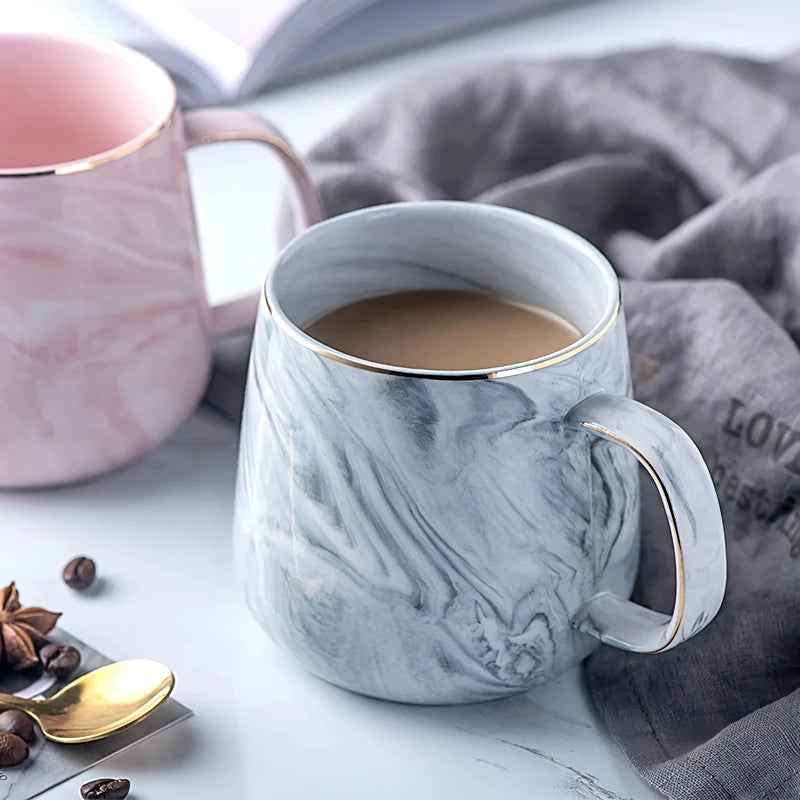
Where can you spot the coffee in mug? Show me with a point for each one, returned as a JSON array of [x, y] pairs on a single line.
[[443, 329]]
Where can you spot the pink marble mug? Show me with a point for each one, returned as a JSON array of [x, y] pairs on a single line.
[[105, 331]]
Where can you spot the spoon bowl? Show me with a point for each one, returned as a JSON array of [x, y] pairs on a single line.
[[99, 703]]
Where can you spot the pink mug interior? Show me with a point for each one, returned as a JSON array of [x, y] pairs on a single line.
[[64, 102]]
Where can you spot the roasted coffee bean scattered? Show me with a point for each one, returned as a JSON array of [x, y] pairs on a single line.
[[79, 573], [59, 659], [106, 789], [18, 723], [13, 750]]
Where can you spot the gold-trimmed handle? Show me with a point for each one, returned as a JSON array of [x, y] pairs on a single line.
[[214, 125], [690, 501], [10, 702]]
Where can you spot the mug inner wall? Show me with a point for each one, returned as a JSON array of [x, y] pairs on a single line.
[[65, 100], [442, 245]]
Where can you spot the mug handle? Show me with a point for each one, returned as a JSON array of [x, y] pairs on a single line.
[[690, 501], [211, 125]]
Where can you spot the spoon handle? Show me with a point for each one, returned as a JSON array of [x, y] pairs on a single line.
[[10, 702]]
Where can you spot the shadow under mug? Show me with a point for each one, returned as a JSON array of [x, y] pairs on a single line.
[[105, 332], [440, 537]]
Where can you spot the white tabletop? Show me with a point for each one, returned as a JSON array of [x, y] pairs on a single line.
[[160, 529]]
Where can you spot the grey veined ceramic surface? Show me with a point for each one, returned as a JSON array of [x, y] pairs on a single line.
[[438, 537]]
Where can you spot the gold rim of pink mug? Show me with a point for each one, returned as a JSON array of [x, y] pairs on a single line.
[[112, 154]]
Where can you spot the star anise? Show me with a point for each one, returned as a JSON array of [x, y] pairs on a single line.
[[22, 630]]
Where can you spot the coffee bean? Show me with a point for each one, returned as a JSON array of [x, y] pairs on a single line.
[[18, 723], [79, 573], [59, 659], [13, 750], [106, 789]]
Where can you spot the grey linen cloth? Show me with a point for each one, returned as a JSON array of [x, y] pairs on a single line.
[[679, 166]]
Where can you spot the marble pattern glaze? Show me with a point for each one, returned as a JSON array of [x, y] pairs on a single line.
[[105, 332], [423, 539], [429, 541]]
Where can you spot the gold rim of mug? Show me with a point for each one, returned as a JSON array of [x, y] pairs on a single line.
[[567, 237], [506, 372], [114, 153]]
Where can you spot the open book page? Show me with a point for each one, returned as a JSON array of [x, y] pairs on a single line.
[[299, 32], [208, 46], [221, 34], [245, 22], [335, 33], [220, 50]]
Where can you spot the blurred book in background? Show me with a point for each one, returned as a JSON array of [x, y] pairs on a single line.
[[220, 50]]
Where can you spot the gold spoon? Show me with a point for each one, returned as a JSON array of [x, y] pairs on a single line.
[[99, 703]]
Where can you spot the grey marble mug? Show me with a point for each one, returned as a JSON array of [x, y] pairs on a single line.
[[446, 537]]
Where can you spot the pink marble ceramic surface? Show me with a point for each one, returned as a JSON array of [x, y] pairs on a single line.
[[105, 332]]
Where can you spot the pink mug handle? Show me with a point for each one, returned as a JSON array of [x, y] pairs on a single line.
[[210, 125]]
